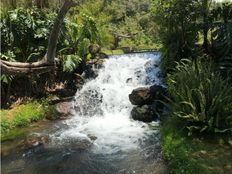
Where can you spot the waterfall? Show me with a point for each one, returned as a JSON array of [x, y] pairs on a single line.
[[102, 107]]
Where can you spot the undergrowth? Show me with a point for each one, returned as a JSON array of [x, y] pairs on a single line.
[[200, 97], [198, 154], [25, 114]]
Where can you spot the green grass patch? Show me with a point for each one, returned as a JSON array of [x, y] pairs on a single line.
[[201, 154], [25, 114]]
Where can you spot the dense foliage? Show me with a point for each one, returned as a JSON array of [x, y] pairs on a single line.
[[177, 30], [200, 89], [24, 33], [189, 29], [201, 97]]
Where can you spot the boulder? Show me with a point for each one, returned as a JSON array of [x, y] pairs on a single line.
[[89, 72], [144, 113], [91, 68], [96, 63], [64, 108], [141, 96], [160, 92], [146, 95]]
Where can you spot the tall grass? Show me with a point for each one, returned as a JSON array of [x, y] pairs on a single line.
[[200, 97]]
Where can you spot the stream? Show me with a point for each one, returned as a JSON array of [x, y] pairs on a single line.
[[99, 137]]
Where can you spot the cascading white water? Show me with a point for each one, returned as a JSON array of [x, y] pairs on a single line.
[[102, 107]]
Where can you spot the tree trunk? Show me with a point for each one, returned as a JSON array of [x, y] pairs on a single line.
[[47, 63], [205, 11]]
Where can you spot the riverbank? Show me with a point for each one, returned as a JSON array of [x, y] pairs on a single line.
[[202, 154], [24, 114]]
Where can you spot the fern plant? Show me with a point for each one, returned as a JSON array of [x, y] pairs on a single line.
[[79, 36], [200, 97], [70, 62]]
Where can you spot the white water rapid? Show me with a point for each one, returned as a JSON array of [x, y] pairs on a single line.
[[102, 107]]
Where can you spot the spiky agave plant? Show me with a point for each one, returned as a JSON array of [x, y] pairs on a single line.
[[200, 97]]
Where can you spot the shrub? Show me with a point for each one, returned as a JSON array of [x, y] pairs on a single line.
[[25, 32], [200, 97]]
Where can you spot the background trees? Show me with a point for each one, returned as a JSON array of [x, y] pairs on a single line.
[[178, 29], [25, 28], [193, 28]]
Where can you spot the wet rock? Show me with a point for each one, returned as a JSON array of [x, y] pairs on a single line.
[[141, 96], [149, 101], [36, 143], [79, 81], [83, 144], [91, 69], [146, 95], [64, 108], [92, 137], [158, 105], [53, 100], [138, 74], [78, 143], [157, 89], [96, 63], [160, 92], [89, 72], [129, 80], [143, 113]]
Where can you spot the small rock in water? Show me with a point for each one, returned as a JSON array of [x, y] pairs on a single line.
[[64, 108], [81, 143], [143, 113], [129, 80], [92, 137], [36, 141]]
